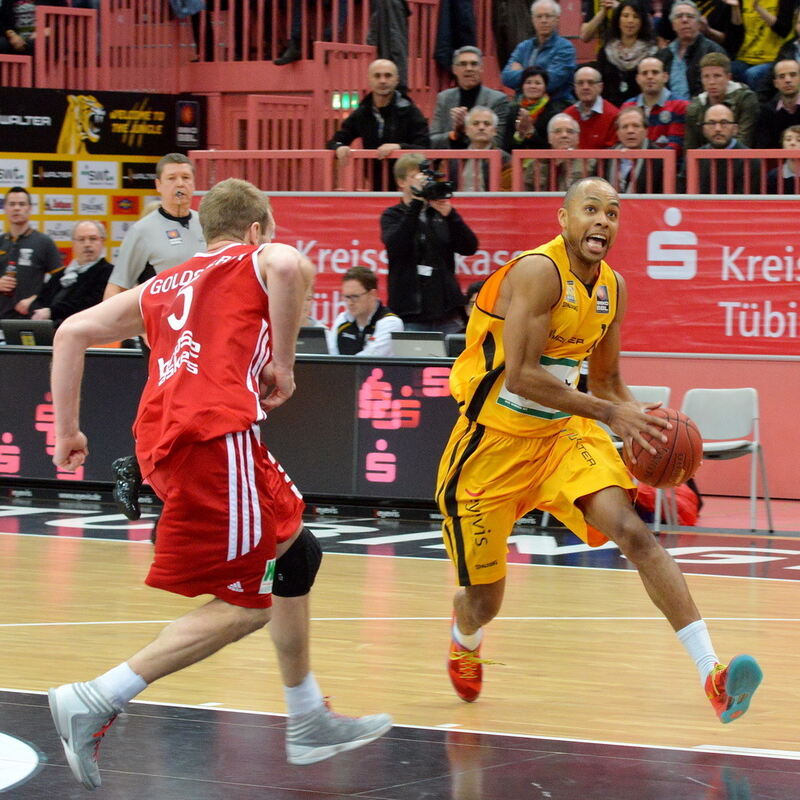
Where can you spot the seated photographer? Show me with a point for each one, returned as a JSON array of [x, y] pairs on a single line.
[[365, 327], [422, 234]]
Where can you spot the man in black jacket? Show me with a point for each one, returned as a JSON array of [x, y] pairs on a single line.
[[682, 56], [421, 241], [385, 121], [82, 283]]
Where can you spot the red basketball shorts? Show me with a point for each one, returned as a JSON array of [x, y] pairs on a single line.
[[226, 502]]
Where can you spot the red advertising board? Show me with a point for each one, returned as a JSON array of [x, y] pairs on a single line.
[[704, 276]]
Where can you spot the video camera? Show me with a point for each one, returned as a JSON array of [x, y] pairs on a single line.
[[434, 188]]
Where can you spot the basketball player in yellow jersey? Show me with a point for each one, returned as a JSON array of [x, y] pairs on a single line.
[[527, 438]]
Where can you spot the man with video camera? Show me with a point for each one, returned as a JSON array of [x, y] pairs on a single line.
[[422, 234]]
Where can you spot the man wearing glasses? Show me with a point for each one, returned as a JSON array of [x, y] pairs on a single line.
[[365, 327], [546, 50], [682, 56], [728, 176], [448, 128], [82, 283]]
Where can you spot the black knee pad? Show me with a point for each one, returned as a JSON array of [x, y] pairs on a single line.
[[297, 568]]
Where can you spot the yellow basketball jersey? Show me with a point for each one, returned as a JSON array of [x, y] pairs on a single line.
[[579, 321]]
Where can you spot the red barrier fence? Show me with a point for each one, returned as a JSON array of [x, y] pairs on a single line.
[[16, 71]]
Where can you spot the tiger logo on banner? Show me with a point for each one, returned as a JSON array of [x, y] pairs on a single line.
[[82, 122]]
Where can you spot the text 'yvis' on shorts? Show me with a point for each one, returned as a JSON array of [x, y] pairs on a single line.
[[489, 479]]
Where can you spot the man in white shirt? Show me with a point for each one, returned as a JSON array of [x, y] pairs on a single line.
[[365, 327]]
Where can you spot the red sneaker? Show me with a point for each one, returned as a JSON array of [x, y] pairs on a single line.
[[730, 688], [465, 668]]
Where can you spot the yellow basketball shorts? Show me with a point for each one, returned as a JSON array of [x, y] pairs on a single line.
[[489, 479]]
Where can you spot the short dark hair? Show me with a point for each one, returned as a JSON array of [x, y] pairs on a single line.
[[473, 289], [172, 158], [528, 71], [19, 189], [365, 276], [716, 60]]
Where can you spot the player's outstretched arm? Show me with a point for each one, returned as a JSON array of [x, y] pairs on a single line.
[[118, 318], [288, 279]]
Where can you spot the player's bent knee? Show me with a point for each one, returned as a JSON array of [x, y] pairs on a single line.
[[296, 569]]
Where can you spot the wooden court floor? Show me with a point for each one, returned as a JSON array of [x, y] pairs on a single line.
[[593, 683]]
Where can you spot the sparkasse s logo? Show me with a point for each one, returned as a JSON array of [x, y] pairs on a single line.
[[671, 254]]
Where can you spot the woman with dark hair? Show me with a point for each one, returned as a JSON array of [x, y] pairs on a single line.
[[531, 113], [630, 40]]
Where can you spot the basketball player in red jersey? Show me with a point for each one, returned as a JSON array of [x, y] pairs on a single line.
[[222, 328]]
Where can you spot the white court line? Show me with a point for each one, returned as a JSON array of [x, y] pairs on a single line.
[[704, 748], [630, 571], [403, 619]]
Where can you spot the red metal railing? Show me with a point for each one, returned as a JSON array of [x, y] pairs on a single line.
[[554, 170], [66, 48], [272, 170], [741, 171], [16, 71]]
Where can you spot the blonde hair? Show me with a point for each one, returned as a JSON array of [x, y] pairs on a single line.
[[231, 207]]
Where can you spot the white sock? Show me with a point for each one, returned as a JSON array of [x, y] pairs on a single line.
[[120, 684], [470, 641], [695, 638], [303, 698]]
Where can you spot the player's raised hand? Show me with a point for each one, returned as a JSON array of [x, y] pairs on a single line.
[[70, 451]]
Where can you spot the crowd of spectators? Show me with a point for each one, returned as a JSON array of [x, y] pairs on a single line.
[[673, 67]]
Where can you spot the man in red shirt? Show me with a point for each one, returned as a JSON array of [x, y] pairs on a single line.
[[594, 114], [231, 524]]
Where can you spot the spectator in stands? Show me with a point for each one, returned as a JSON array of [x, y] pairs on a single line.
[[470, 295], [165, 237], [527, 128], [630, 40], [791, 49], [546, 49], [557, 175], [596, 23], [18, 25], [632, 174], [789, 171], [715, 72], [292, 51], [511, 23], [682, 56], [783, 110], [726, 176], [666, 114], [422, 239], [386, 120], [766, 27], [595, 115], [81, 284], [473, 175], [720, 21], [450, 113], [365, 327], [28, 258]]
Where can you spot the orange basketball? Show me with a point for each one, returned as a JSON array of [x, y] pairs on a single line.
[[676, 460]]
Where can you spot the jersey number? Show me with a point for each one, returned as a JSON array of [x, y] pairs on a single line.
[[176, 323]]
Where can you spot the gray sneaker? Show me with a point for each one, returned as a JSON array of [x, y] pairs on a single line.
[[321, 734], [82, 716]]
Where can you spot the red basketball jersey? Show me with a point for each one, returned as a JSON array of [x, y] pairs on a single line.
[[207, 324]]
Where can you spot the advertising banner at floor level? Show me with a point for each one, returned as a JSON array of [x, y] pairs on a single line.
[[703, 275]]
